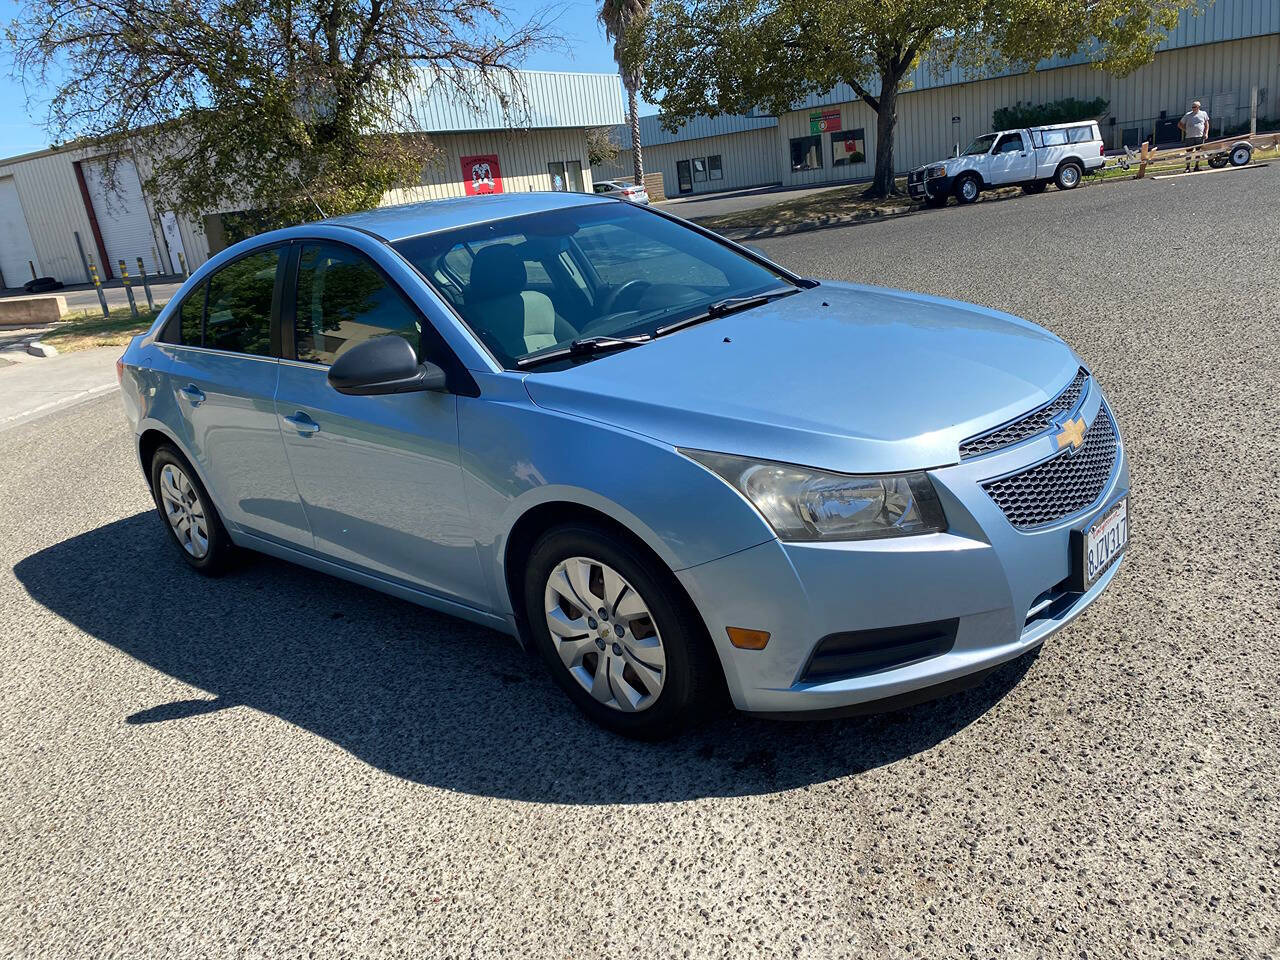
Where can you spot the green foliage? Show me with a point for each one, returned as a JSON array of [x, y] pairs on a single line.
[[708, 57], [1041, 114], [601, 150], [276, 106]]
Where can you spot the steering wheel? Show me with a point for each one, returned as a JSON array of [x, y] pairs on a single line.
[[614, 295]]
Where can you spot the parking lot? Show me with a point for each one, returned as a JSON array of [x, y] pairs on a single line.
[[281, 764]]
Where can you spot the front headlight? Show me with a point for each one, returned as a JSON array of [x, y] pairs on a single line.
[[937, 172], [805, 504]]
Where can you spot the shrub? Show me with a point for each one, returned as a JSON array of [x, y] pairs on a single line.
[[1040, 114]]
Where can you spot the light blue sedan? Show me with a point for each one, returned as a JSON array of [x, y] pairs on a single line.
[[665, 463]]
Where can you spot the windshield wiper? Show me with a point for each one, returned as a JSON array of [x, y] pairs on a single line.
[[724, 307], [583, 346]]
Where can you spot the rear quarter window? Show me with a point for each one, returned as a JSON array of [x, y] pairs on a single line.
[[1081, 134], [1053, 138]]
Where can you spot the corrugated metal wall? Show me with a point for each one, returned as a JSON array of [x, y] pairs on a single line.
[[748, 159], [537, 100], [925, 130], [55, 212], [522, 157]]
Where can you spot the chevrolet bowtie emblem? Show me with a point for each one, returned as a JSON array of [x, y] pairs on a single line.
[[1071, 432]]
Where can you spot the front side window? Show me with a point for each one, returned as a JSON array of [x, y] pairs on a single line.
[[238, 318], [343, 299], [1010, 143], [806, 153], [542, 280], [981, 145]]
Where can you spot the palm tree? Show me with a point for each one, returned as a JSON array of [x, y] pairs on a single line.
[[619, 18]]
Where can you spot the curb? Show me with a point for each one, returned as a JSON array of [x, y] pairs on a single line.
[[37, 349]]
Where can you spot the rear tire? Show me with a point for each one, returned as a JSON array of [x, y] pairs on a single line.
[[188, 513], [967, 189], [647, 680], [1068, 176], [1037, 187]]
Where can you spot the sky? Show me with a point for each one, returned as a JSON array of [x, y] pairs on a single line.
[[585, 51]]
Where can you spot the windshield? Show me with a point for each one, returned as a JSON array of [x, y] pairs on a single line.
[[981, 145], [530, 283]]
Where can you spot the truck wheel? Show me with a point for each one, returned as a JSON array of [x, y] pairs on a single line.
[[1240, 155], [967, 189], [1068, 176], [1037, 187]]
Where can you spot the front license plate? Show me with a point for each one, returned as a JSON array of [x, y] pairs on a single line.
[[1102, 543]]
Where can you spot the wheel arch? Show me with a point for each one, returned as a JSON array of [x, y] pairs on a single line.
[[546, 514], [1069, 162], [151, 437]]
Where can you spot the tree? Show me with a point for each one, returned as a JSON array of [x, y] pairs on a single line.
[[707, 57], [601, 149], [624, 24], [283, 106]]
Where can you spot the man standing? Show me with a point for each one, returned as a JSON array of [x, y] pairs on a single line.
[[1195, 130]]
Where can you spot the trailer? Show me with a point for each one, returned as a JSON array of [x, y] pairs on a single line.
[[1236, 151]]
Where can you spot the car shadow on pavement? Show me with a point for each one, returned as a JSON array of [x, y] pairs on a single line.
[[426, 697]]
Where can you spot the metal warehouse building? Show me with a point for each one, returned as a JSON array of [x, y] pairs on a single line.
[[1216, 57], [57, 215]]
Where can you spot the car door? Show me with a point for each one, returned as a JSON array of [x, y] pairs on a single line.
[[379, 477], [222, 364], [1011, 160]]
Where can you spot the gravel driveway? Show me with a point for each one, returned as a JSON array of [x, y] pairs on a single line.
[[280, 764]]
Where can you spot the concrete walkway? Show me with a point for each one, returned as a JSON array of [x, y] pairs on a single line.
[[31, 387]]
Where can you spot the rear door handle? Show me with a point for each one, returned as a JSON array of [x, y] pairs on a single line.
[[302, 423], [193, 394]]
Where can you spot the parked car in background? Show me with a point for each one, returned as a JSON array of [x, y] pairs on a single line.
[[667, 464], [623, 190], [1032, 158]]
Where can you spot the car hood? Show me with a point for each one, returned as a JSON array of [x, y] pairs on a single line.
[[849, 378]]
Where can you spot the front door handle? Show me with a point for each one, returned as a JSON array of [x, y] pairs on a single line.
[[193, 393], [302, 423]]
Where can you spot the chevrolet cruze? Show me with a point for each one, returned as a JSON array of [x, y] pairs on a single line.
[[667, 464]]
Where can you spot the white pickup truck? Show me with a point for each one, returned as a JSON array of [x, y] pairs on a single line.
[[1031, 158]]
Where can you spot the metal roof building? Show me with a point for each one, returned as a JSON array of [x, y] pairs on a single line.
[[57, 217]]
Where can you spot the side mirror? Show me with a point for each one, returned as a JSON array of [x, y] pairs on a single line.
[[383, 365]]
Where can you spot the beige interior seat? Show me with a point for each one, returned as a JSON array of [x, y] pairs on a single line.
[[519, 320]]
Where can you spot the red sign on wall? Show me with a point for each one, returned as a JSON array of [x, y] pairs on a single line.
[[824, 121], [481, 174]]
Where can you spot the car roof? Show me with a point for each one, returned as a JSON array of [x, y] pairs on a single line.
[[415, 219]]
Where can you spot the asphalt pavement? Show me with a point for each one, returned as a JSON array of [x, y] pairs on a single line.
[[279, 764]]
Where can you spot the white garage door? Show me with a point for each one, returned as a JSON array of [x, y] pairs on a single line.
[[122, 216], [16, 247]]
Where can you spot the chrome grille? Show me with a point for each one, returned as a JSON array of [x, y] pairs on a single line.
[[1057, 488], [1028, 425]]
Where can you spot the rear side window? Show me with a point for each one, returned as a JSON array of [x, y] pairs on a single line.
[[238, 318], [1081, 134], [343, 299], [189, 329]]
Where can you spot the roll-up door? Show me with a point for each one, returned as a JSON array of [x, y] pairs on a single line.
[[16, 248], [122, 215]]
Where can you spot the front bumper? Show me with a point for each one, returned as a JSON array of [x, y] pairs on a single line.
[[924, 189], [994, 581]]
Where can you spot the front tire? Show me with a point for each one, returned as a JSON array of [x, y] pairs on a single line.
[[936, 202], [967, 189], [1068, 176], [188, 513], [616, 632], [1037, 187]]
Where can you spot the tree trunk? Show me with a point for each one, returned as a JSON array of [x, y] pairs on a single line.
[[886, 125], [636, 159]]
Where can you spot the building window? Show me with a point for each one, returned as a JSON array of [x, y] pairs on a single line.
[[699, 169], [714, 170], [847, 147], [806, 153], [558, 181]]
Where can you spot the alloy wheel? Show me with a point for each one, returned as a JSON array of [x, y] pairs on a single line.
[[1069, 176], [605, 634], [184, 511]]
